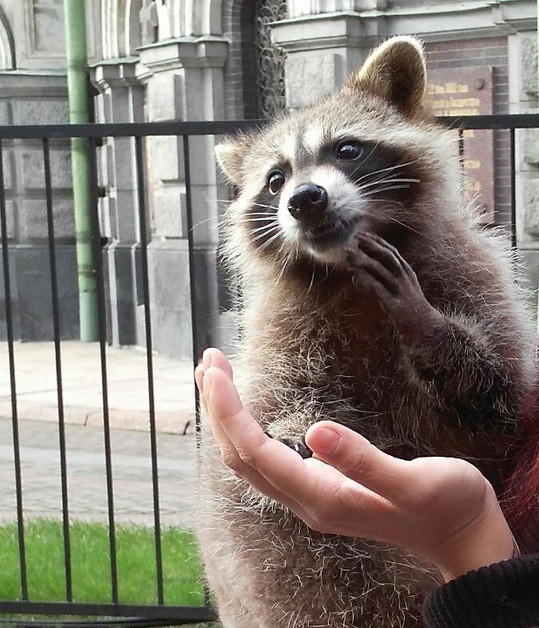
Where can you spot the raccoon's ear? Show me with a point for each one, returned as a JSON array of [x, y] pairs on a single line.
[[229, 154], [395, 71]]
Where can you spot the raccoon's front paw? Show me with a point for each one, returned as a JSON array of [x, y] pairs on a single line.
[[378, 267], [298, 446]]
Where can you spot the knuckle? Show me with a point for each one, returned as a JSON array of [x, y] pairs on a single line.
[[231, 459], [318, 527], [318, 523], [247, 457], [356, 464], [324, 514]]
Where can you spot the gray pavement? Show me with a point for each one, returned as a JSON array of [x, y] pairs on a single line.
[[130, 439]]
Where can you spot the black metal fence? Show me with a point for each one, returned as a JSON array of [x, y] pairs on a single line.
[[159, 613]]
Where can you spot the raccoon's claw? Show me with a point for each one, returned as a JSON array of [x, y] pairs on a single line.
[[298, 446]]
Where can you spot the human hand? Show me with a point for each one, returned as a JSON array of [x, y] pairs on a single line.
[[440, 508]]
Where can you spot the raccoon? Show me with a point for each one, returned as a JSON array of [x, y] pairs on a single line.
[[372, 297]]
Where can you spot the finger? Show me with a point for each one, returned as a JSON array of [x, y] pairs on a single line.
[[368, 271], [199, 375], [227, 414], [210, 357], [262, 485], [214, 357], [354, 456], [279, 464], [379, 249]]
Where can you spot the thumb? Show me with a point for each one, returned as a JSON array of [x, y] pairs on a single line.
[[357, 458]]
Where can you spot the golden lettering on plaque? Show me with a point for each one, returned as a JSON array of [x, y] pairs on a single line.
[[468, 92]]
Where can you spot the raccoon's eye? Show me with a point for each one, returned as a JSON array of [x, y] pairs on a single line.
[[275, 182], [349, 150]]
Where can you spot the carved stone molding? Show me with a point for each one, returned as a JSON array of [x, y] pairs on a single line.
[[297, 8], [270, 59], [38, 26]]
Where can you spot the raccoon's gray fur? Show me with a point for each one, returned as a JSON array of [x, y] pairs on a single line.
[[318, 345]]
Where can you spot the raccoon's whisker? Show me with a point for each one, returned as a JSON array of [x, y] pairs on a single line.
[[388, 169], [386, 179], [201, 222], [383, 181], [214, 199], [262, 218], [263, 205], [364, 159], [269, 231], [264, 227], [402, 224], [285, 264], [385, 189], [272, 239], [395, 220], [312, 281]]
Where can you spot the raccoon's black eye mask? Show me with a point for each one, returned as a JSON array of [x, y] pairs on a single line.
[[346, 150]]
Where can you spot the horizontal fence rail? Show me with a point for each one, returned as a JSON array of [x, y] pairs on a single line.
[[133, 129], [159, 613]]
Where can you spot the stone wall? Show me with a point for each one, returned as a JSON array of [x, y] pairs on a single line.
[[37, 98], [523, 93], [33, 90]]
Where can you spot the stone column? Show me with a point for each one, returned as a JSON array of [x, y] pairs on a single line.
[[523, 93], [120, 99], [184, 81], [323, 48]]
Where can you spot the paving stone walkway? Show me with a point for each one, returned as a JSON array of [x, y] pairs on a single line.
[[130, 439]]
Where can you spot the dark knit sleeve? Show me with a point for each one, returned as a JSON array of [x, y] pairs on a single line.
[[503, 595]]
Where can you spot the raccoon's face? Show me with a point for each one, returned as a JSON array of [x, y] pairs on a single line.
[[323, 185], [357, 161]]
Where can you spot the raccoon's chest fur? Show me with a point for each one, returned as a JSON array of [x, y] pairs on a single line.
[[340, 360]]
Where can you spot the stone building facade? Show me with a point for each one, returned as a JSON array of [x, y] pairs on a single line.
[[155, 60]]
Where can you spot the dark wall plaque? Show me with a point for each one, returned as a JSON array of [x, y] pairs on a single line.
[[468, 92]]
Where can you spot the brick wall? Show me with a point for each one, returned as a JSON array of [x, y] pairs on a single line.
[[485, 52], [240, 69]]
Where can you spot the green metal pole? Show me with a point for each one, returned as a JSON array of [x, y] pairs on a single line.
[[77, 85]]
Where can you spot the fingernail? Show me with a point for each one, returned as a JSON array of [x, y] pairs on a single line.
[[206, 383], [324, 440], [206, 359]]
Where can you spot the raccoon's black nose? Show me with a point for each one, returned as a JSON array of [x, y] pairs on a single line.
[[308, 202]]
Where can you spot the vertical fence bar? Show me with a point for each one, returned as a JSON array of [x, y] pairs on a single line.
[[101, 321], [461, 145], [197, 349], [58, 360], [13, 386], [513, 166], [149, 357]]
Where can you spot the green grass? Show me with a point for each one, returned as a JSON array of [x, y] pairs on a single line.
[[91, 563]]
